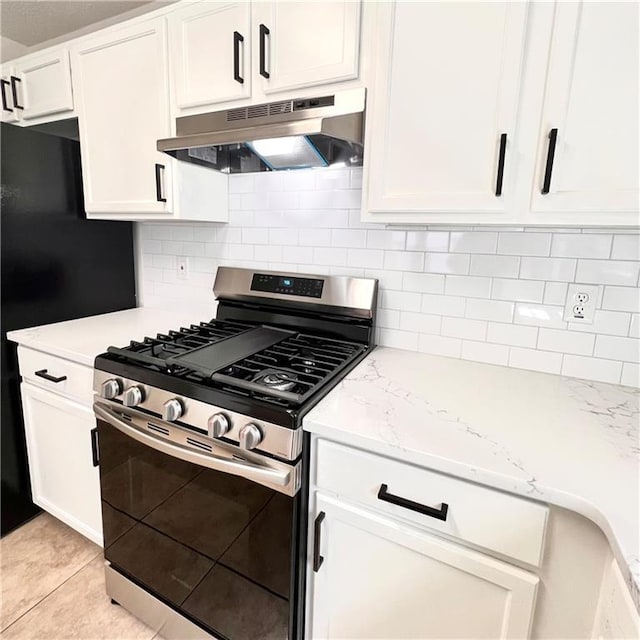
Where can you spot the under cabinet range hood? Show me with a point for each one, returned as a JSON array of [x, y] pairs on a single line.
[[288, 134]]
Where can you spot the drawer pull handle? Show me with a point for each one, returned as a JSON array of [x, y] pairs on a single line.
[[500, 174], [439, 514], [317, 532], [95, 451], [551, 151], [43, 374], [237, 39], [14, 92], [264, 32]]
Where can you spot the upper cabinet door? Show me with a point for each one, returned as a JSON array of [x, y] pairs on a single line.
[[210, 45], [304, 44], [591, 109], [442, 113], [122, 97], [42, 85]]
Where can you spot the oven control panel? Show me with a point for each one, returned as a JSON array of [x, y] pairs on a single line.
[[291, 285]]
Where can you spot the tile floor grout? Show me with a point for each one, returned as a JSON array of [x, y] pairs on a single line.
[[39, 602]]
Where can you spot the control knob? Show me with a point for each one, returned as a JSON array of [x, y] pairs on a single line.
[[250, 436], [133, 396], [218, 425], [111, 388], [172, 410]]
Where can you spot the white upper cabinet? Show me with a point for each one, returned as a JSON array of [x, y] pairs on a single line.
[[37, 88], [43, 86], [305, 44], [441, 117], [210, 44], [123, 107], [591, 109]]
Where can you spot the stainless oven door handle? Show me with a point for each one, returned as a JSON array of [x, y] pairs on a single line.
[[260, 473]]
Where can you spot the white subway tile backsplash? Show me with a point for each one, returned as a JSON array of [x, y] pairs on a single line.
[[473, 242], [591, 368], [457, 263], [366, 258], [578, 245], [488, 265], [630, 374], [517, 290], [540, 315], [566, 341], [555, 269], [423, 282], [555, 293], [427, 240], [519, 244], [608, 272], [495, 310], [626, 247], [486, 294], [439, 345], [468, 286], [535, 360], [621, 299], [420, 322], [512, 334], [618, 348], [464, 328], [404, 260], [485, 352]]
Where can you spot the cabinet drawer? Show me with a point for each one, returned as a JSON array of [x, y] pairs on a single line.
[[42, 369], [484, 517]]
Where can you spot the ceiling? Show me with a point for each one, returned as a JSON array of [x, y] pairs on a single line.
[[32, 22]]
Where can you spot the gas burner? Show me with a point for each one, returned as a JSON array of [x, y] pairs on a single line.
[[279, 380]]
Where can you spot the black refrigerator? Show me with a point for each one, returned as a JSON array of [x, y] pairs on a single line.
[[55, 265]]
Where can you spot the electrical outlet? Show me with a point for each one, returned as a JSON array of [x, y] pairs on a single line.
[[183, 268], [581, 303]]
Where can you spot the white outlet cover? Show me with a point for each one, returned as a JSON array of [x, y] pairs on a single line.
[[594, 293]]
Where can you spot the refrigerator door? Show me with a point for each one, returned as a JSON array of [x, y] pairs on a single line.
[[55, 266]]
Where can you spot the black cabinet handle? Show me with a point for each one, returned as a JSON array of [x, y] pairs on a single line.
[[553, 136], [3, 84], [501, 154], [43, 374], [317, 533], [159, 170], [264, 32], [237, 39], [95, 457], [439, 514], [14, 91]]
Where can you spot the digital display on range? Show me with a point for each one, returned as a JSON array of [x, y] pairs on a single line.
[[291, 285]]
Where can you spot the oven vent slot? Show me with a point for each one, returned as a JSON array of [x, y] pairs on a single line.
[[278, 108], [259, 111], [124, 416], [200, 445], [154, 427]]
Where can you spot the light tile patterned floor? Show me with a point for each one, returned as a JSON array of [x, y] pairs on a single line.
[[52, 586]]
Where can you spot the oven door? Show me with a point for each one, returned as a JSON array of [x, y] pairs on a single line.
[[207, 528]]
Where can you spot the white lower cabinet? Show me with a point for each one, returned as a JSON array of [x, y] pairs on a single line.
[[64, 480], [379, 578]]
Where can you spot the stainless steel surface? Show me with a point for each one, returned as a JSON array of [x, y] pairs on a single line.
[[344, 119], [218, 425], [172, 410], [154, 613], [184, 445], [133, 396], [111, 388], [341, 295], [278, 441], [250, 436]]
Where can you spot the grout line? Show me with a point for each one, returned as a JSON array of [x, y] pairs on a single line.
[[22, 615]]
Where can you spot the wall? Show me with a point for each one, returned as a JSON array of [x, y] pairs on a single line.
[[478, 293]]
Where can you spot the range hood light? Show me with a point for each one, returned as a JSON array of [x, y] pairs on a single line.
[[291, 152]]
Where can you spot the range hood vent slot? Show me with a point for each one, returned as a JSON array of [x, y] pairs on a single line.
[[329, 128]]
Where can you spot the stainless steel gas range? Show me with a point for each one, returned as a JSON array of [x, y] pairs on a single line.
[[202, 457]]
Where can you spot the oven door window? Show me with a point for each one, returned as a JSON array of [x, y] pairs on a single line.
[[216, 547]]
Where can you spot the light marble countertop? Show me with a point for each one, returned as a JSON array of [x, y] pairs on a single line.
[[83, 339], [569, 442]]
